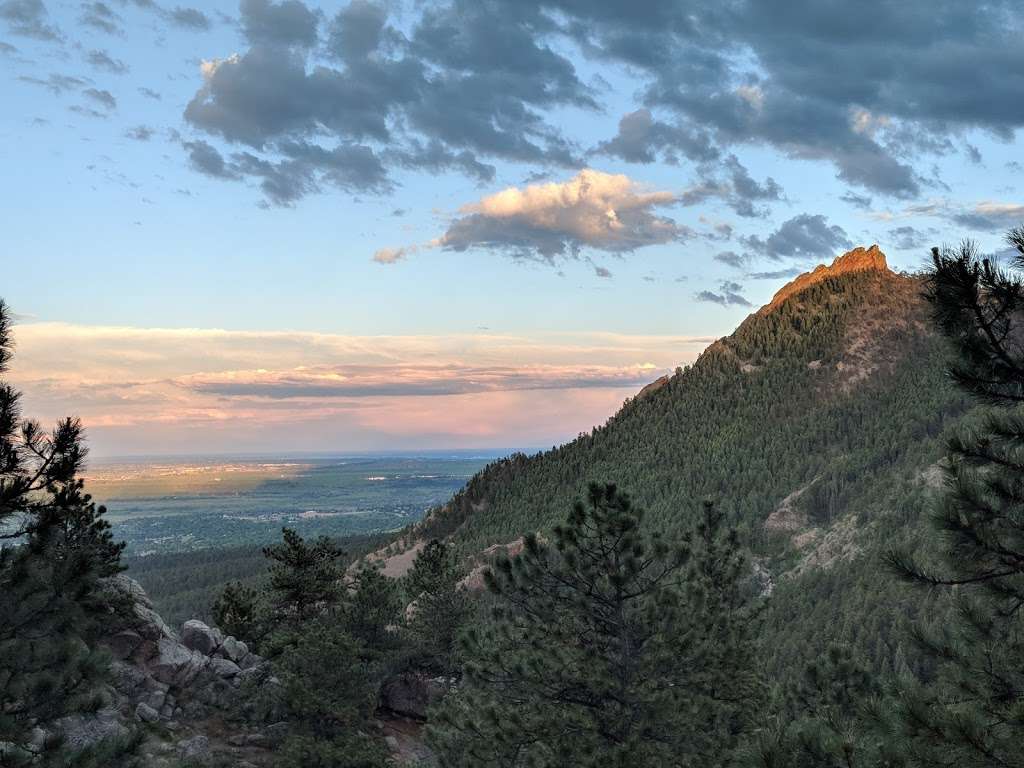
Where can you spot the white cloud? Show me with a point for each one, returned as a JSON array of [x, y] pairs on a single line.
[[604, 211]]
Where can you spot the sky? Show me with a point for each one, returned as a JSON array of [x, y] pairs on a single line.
[[287, 226]]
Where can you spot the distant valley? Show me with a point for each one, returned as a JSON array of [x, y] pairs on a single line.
[[164, 506]]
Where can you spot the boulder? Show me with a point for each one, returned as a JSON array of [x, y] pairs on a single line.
[[224, 668], [197, 636], [124, 644], [176, 664], [146, 713], [232, 649], [81, 731], [411, 694], [195, 749]]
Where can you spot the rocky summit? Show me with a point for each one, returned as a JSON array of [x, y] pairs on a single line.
[[858, 260]]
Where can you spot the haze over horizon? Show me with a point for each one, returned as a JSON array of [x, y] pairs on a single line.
[[272, 227]]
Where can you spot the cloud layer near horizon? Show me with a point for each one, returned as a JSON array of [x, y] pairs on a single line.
[[336, 391]]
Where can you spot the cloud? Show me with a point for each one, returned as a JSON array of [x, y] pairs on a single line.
[[605, 212], [392, 255], [804, 236], [821, 82], [990, 216], [101, 16], [140, 133], [454, 89], [29, 18], [602, 272], [857, 201], [746, 191], [188, 18], [732, 259], [6, 49], [728, 295], [730, 181], [983, 216], [208, 161], [104, 98], [286, 23], [907, 238], [462, 84], [149, 93], [104, 61], [641, 138], [775, 274], [148, 387], [58, 84]]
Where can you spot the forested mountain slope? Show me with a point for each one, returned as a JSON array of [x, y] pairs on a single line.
[[816, 426]]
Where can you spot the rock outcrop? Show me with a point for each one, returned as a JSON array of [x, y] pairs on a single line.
[[857, 260], [192, 676], [199, 696]]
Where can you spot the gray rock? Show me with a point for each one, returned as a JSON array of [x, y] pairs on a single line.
[[411, 694], [146, 713], [249, 661], [127, 678], [233, 649], [196, 749], [81, 731], [175, 664], [155, 699], [392, 743], [200, 637], [123, 644], [224, 668]]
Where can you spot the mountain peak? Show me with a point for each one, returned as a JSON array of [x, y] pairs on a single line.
[[858, 260]]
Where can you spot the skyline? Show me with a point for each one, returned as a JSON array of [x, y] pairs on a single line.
[[357, 226]]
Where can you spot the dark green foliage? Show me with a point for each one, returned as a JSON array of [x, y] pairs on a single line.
[[332, 640], [440, 608], [235, 611], [58, 547], [969, 711], [610, 646], [185, 585], [329, 693], [833, 716], [763, 413], [373, 610], [305, 579]]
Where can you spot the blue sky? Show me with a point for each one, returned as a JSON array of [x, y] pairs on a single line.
[[146, 190]]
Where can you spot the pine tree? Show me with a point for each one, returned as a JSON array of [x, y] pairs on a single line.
[[236, 611], [439, 609], [305, 579], [57, 548], [372, 610], [609, 646], [969, 711], [329, 694], [833, 716]]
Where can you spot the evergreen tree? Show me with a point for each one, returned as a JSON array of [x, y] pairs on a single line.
[[57, 547], [305, 579], [372, 610], [968, 710], [609, 646], [236, 611], [439, 608], [329, 695], [833, 716]]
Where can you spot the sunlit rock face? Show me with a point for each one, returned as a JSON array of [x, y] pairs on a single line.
[[857, 260]]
